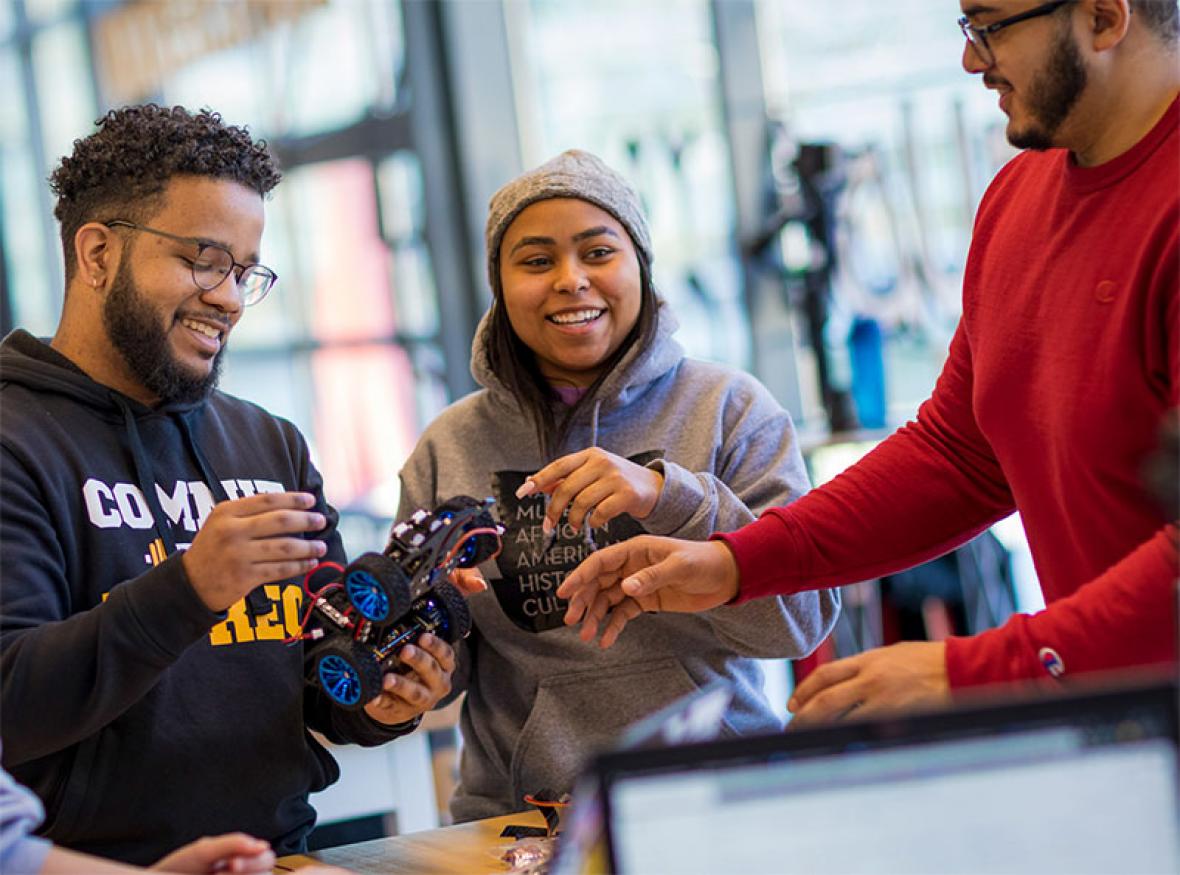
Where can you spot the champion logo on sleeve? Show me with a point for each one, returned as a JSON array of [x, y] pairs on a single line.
[[1051, 661]]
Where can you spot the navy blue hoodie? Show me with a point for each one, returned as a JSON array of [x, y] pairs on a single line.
[[141, 718]]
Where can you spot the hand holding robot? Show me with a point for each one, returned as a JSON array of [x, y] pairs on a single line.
[[360, 624]]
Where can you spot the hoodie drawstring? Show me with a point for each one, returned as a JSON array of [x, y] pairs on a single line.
[[594, 422], [143, 478], [256, 601], [207, 473]]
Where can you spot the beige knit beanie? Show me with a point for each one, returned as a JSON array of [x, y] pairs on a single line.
[[574, 174]]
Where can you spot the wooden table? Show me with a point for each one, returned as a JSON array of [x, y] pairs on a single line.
[[467, 848]]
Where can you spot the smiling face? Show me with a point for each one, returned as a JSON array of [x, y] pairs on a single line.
[[1038, 71], [168, 333], [572, 286]]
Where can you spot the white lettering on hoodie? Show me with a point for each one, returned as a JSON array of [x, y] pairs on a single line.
[[112, 506]]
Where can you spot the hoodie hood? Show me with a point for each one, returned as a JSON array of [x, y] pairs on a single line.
[[637, 370], [28, 361]]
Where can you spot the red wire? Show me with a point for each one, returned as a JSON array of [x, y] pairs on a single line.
[[310, 597], [307, 577], [467, 536]]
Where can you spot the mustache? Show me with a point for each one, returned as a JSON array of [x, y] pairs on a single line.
[[995, 81], [207, 316]]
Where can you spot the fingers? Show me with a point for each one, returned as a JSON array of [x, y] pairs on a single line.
[[626, 611], [268, 572], [828, 693], [250, 541], [592, 487], [437, 652], [595, 612], [232, 852], [583, 489], [222, 572], [834, 703], [404, 696], [601, 569], [605, 508], [686, 576], [266, 515], [822, 678], [271, 523], [266, 502], [645, 581], [283, 549], [240, 865], [553, 473], [468, 581], [410, 696]]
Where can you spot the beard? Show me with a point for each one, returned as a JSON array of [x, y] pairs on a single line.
[[1052, 94], [135, 331]]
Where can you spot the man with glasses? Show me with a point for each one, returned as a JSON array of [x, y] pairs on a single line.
[[1066, 361], [155, 532]]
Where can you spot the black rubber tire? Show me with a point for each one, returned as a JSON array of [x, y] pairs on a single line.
[[458, 614], [392, 580], [357, 691]]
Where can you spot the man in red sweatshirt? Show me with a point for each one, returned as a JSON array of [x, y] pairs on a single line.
[[1065, 362]]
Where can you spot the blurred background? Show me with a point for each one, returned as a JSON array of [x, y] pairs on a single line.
[[810, 171]]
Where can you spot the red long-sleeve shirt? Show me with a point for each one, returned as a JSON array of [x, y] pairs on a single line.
[[1063, 365]]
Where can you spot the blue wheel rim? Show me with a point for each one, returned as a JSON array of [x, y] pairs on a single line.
[[340, 680], [368, 595]]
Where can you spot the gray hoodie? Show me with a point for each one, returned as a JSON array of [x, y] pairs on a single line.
[[539, 700]]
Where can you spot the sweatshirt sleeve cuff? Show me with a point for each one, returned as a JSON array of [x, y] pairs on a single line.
[[764, 551], [680, 498], [989, 657], [359, 728], [169, 612], [27, 855]]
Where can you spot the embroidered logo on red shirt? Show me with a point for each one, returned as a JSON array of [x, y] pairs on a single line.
[[1104, 291], [1051, 661]]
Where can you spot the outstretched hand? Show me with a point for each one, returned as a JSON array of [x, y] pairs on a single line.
[[904, 676], [247, 542], [644, 574], [596, 486]]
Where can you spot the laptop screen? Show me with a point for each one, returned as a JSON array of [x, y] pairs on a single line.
[[1071, 784]]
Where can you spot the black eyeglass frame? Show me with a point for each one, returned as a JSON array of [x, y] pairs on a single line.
[[254, 269], [977, 36]]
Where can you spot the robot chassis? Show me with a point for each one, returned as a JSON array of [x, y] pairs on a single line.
[[357, 623]]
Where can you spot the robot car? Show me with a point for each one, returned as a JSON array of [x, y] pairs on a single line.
[[356, 624]]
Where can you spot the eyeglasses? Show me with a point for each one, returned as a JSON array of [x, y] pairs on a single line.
[[214, 263], [977, 36]]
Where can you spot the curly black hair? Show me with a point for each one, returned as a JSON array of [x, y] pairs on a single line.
[[122, 169], [1161, 16]]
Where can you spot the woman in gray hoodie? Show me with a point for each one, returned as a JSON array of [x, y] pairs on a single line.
[[587, 398]]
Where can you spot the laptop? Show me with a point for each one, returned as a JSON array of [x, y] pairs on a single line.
[[695, 718], [1078, 783]]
